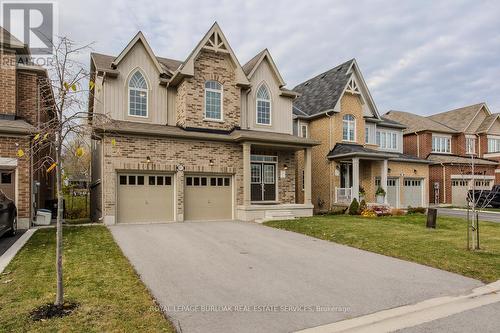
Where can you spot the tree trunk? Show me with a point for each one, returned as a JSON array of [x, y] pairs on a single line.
[[59, 234]]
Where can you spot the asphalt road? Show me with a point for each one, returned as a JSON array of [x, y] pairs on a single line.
[[483, 216], [245, 277], [6, 242], [484, 319]]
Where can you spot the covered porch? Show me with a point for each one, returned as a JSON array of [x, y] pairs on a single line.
[[269, 181]]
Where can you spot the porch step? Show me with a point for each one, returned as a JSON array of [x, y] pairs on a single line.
[[274, 215]]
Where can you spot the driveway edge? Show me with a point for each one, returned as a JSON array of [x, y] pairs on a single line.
[[415, 314], [7, 257]]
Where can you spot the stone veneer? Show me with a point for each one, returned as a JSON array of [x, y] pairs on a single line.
[[130, 153]]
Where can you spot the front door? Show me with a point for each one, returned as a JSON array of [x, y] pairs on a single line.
[[263, 182]]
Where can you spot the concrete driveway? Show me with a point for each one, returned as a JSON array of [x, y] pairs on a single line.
[[245, 277]]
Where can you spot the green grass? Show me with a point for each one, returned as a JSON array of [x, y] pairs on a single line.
[[96, 275], [406, 237]]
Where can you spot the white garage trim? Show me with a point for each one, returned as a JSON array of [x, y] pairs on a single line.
[[471, 176]]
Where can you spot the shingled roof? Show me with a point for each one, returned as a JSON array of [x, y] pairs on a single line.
[[487, 123], [343, 150], [103, 62], [416, 123], [322, 92], [458, 119], [247, 68]]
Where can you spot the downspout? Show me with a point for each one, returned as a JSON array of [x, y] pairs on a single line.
[[330, 138], [444, 183], [418, 144]]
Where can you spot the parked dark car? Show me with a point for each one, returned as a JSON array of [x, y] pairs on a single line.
[[8, 216], [486, 198]]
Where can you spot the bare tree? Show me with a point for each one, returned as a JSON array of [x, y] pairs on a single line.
[[65, 116]]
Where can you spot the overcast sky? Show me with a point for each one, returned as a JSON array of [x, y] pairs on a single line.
[[418, 56]]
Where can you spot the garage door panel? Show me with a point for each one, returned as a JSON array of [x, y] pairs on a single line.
[[208, 197], [144, 198], [392, 191], [412, 192]]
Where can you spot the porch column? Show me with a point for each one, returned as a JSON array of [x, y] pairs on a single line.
[[246, 174], [383, 178], [355, 178], [307, 175]]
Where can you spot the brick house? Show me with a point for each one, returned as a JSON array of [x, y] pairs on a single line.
[[448, 140], [20, 177], [200, 139], [359, 150]]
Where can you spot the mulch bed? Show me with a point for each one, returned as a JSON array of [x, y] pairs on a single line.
[[48, 311]]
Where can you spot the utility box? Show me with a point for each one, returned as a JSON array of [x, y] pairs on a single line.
[[431, 218], [43, 217]]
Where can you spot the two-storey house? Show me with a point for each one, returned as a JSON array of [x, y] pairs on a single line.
[[22, 176], [200, 139], [452, 142], [360, 151]]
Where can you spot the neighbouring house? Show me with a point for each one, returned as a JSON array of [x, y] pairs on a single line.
[[451, 141], [202, 138], [21, 177], [360, 151]]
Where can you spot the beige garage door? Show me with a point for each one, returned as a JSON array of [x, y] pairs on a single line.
[[412, 192], [208, 197], [459, 190], [145, 198]]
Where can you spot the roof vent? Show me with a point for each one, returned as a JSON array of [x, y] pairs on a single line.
[[306, 84], [323, 76]]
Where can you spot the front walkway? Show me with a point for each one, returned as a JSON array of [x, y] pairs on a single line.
[[245, 277]]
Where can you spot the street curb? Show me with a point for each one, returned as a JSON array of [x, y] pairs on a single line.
[[415, 314], [7, 257], [479, 211]]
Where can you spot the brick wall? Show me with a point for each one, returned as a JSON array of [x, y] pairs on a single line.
[[7, 84], [129, 153], [458, 144], [27, 97], [191, 93], [410, 144]]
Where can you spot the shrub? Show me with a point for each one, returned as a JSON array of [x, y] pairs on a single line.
[[368, 213], [362, 205], [397, 212], [354, 207], [381, 210], [416, 210]]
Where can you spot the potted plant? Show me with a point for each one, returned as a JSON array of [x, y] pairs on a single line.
[[380, 194], [362, 193]]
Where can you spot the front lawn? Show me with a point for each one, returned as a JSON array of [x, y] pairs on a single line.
[[406, 237], [96, 275]]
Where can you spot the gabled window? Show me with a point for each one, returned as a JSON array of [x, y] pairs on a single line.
[[349, 128], [263, 106], [213, 100], [138, 95]]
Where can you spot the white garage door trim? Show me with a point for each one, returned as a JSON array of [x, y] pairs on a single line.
[[394, 180], [146, 179], [210, 176]]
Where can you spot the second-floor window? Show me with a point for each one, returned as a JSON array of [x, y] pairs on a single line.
[[493, 145], [138, 95], [441, 144], [213, 100], [263, 106], [387, 140], [303, 131], [348, 128], [470, 145]]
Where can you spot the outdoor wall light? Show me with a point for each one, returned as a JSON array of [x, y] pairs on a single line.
[[148, 159], [388, 170], [285, 167], [211, 162], [415, 171]]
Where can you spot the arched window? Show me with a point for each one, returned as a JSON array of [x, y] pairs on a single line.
[[348, 128], [213, 100], [263, 106], [138, 95]]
